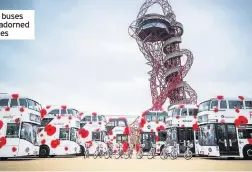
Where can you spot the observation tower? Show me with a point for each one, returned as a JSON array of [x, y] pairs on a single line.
[[158, 37]]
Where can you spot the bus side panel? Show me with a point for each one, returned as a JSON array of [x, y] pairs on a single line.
[[210, 150], [27, 148]]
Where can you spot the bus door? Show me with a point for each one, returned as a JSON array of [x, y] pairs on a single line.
[[227, 139], [147, 138], [190, 137], [182, 139]]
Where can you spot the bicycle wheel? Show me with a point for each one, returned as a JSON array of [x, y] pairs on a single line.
[[126, 155], [150, 154], [87, 154], [139, 154], [173, 155], [96, 154], [106, 155], [163, 155], [188, 155], [117, 155]]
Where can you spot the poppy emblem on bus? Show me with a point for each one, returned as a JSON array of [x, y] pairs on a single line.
[[149, 127], [222, 116], [209, 149]]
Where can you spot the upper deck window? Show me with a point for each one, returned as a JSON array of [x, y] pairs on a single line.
[[86, 119], [176, 112], [193, 112], [75, 113], [162, 116], [223, 104], [14, 103], [94, 118], [101, 118], [33, 105], [233, 104], [70, 111], [54, 112], [214, 104], [23, 103], [63, 111], [151, 116], [204, 106], [184, 112], [248, 104], [122, 123], [4, 102]]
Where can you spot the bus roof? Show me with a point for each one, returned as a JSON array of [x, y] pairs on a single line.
[[190, 106], [230, 98]]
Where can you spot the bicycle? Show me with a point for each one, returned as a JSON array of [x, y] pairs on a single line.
[[152, 152], [119, 153], [139, 154], [108, 154], [86, 151], [99, 151], [129, 152], [165, 152], [174, 151], [188, 153]]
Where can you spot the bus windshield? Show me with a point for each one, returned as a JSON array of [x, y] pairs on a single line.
[[151, 116], [29, 133], [4, 102], [204, 106]]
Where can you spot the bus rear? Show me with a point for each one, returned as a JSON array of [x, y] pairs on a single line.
[[19, 121]]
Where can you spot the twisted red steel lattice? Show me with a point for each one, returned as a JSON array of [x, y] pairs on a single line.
[[158, 37]]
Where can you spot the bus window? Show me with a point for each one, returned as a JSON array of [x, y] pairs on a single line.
[[193, 112], [248, 104], [94, 118], [151, 116], [233, 104], [214, 104], [223, 104], [86, 119], [96, 136], [181, 135], [184, 112], [120, 138], [100, 118], [54, 112], [14, 103], [64, 134], [31, 104], [63, 111], [45, 121], [245, 133], [73, 135], [162, 116], [4, 102], [23, 103], [162, 136], [204, 106], [176, 112], [70, 111], [12, 130], [26, 132], [121, 123]]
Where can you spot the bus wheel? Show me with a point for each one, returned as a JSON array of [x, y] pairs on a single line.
[[247, 152], [3, 159], [44, 152]]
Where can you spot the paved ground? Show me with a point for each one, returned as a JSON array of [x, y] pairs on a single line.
[[79, 163]]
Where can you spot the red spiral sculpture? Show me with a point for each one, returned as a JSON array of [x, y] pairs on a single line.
[[158, 37]]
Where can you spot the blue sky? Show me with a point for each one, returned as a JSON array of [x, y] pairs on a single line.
[[84, 57]]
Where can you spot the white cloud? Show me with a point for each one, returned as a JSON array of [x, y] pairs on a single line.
[[87, 59]]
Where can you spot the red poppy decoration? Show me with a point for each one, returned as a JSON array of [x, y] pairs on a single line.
[[237, 110], [43, 113], [14, 149], [140, 130], [81, 113], [97, 129], [83, 133], [126, 130], [157, 122], [66, 148], [182, 126], [220, 97], [50, 130], [222, 121], [216, 110], [181, 106], [152, 130], [137, 147], [89, 143], [64, 107], [99, 123], [240, 120], [195, 116], [241, 98], [123, 118], [17, 120], [198, 106], [7, 109], [3, 142], [48, 107], [157, 139], [70, 117], [161, 127], [21, 109], [15, 96], [66, 126], [55, 143], [177, 117], [43, 142], [94, 114], [142, 122], [90, 122], [58, 117], [250, 141], [110, 132], [1, 124], [114, 137], [195, 126], [110, 119], [41, 135], [125, 146]]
